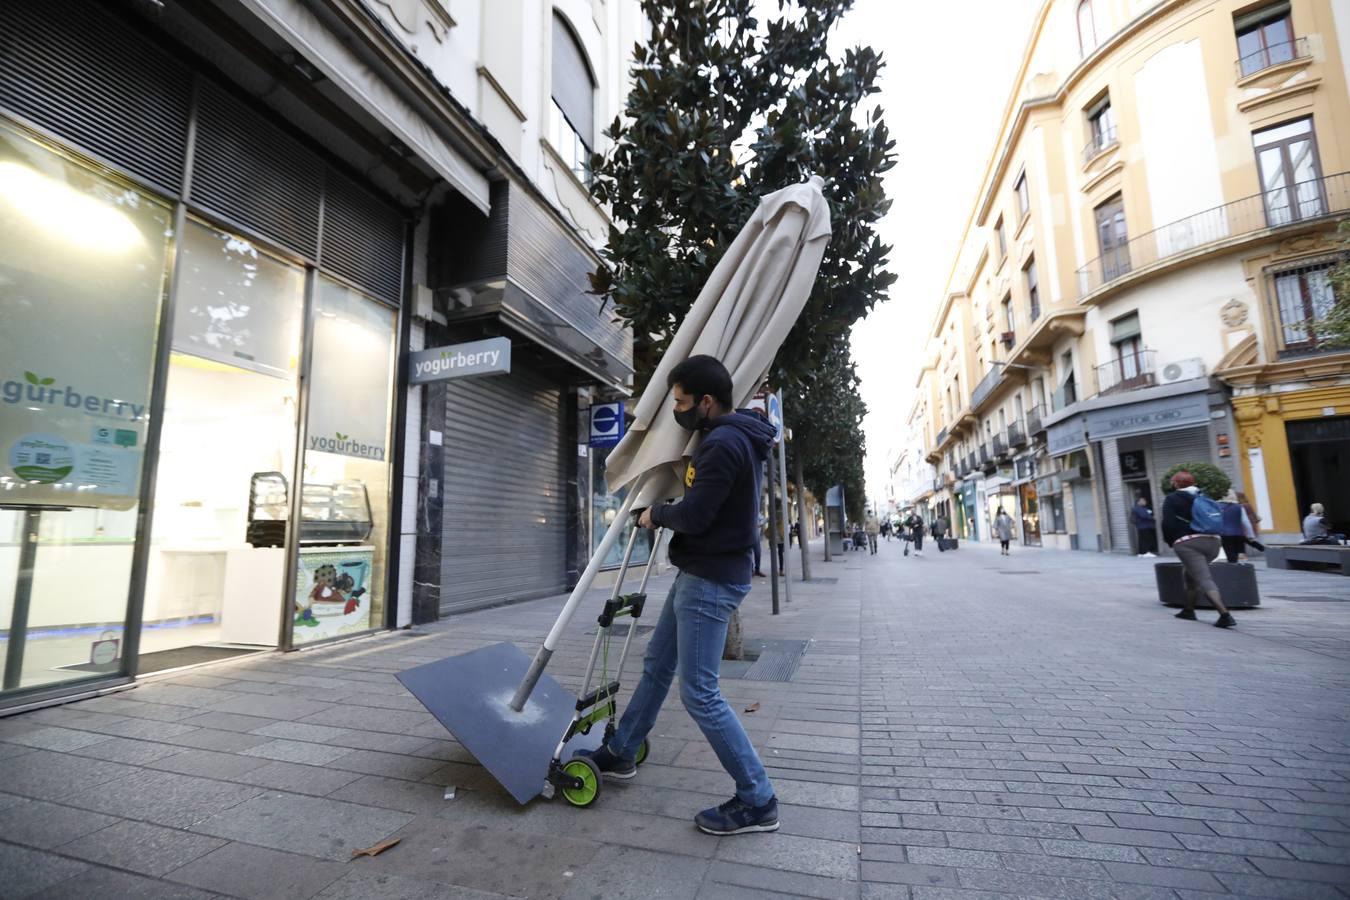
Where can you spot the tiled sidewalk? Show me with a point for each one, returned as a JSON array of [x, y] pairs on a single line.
[[961, 725]]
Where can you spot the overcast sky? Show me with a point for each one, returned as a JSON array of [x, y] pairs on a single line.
[[949, 71]]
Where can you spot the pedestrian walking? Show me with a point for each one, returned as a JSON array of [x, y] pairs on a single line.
[[1003, 527], [714, 527], [1145, 527], [915, 526], [795, 534], [873, 529], [1190, 525], [940, 526], [1236, 531]]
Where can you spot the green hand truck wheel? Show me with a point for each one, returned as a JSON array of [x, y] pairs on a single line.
[[643, 750], [588, 773]]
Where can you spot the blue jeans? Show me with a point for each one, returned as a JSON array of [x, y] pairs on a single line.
[[689, 638]]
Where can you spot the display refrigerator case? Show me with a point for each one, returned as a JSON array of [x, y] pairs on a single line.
[[330, 514]]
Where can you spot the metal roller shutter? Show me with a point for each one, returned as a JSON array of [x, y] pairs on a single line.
[[504, 526], [83, 74], [1184, 446]]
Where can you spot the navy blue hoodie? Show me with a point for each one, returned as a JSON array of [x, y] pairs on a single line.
[[716, 524]]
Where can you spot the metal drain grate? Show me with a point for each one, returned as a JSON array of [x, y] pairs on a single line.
[[1314, 598], [1018, 572], [823, 580], [773, 661]]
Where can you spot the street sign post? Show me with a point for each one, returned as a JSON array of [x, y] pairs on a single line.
[[607, 424]]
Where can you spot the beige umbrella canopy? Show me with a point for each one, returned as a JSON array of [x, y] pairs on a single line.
[[742, 316]]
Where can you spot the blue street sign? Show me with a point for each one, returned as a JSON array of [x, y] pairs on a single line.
[[775, 411], [606, 424]]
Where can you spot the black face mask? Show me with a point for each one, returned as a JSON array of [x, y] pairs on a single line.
[[690, 419]]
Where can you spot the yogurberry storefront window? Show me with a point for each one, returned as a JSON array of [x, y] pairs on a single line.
[[83, 265], [342, 555]]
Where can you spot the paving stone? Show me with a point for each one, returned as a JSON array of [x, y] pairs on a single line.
[[485, 859], [328, 829], [56, 738], [296, 778], [26, 871], [47, 775], [775, 882], [832, 859], [127, 750], [164, 798], [37, 823], [907, 873], [258, 873], [625, 873], [110, 884], [390, 765], [206, 763], [141, 847], [361, 885], [1161, 876], [297, 752], [1304, 871]]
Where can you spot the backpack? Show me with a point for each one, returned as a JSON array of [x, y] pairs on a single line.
[[1206, 516]]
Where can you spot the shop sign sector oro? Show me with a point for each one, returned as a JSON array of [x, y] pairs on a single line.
[[489, 357]]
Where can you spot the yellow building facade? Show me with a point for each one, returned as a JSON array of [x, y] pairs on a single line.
[[1140, 280]]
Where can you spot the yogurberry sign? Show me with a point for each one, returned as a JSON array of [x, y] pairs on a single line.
[[81, 285]]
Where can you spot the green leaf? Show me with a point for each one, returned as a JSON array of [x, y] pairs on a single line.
[[31, 378], [48, 381]]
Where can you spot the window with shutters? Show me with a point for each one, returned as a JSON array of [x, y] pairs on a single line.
[[573, 92]]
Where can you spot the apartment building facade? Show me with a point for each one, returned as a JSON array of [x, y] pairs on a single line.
[[1140, 279]]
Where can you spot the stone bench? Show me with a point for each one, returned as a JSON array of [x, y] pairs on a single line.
[[1298, 556], [1236, 583]]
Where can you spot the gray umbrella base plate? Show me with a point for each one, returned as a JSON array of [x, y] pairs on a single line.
[[471, 695]]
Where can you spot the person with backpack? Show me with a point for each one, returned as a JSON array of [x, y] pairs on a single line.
[[1237, 530], [1191, 525]]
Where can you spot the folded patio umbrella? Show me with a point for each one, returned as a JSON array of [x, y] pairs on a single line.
[[742, 316]]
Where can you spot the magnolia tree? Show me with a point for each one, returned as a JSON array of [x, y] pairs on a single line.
[[724, 109]]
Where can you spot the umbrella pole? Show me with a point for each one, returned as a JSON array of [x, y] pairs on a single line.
[[545, 651]]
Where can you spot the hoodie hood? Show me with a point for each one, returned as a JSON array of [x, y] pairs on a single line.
[[759, 432]]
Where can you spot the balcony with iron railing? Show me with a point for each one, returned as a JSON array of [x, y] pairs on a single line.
[[1017, 436], [941, 437], [1065, 395], [1127, 372], [1274, 55], [997, 447], [1034, 420], [1272, 211], [983, 454], [1099, 142], [986, 386]]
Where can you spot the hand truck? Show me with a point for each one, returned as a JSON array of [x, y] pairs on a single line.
[[579, 779]]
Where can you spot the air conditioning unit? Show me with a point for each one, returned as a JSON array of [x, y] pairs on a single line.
[[1007, 338], [1183, 370]]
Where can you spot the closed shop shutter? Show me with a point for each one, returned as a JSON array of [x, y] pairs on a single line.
[[504, 526], [1117, 500], [1183, 446]]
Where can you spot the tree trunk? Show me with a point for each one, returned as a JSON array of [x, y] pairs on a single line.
[[734, 647], [803, 529]]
